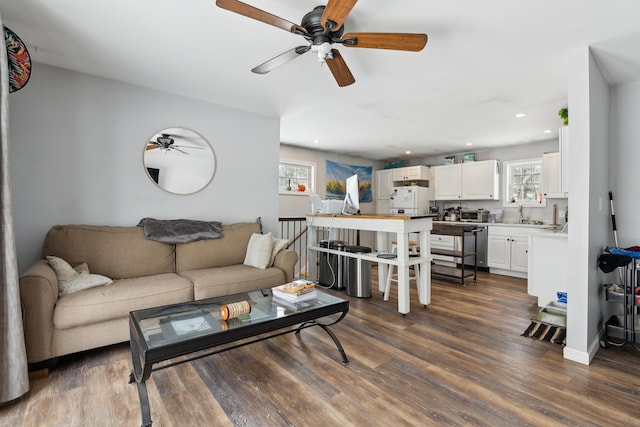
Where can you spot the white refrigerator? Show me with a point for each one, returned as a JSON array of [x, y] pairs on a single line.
[[409, 200]]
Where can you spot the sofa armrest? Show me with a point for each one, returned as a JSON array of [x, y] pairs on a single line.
[[38, 296], [286, 261]]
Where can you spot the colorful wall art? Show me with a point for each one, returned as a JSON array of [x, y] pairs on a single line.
[[337, 174]]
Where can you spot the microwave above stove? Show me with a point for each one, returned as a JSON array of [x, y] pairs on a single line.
[[474, 215]]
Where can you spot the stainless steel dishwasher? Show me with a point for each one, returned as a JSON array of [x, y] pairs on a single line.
[[481, 250]]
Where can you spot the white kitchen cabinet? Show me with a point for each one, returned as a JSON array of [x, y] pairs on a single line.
[[547, 266], [555, 169], [552, 174], [384, 183], [383, 206], [564, 159], [467, 181], [448, 182], [480, 180], [411, 173], [508, 250]]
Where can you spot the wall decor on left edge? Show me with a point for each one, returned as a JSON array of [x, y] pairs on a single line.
[[18, 61]]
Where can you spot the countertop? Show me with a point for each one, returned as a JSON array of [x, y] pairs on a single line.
[[541, 227]]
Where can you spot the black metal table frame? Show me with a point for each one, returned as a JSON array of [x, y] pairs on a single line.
[[143, 360]]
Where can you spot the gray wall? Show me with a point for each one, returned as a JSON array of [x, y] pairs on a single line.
[[300, 205], [625, 155], [76, 157], [295, 205]]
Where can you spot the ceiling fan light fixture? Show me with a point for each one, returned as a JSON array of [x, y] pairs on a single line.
[[323, 50], [164, 139]]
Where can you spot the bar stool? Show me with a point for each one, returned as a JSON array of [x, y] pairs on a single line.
[[413, 249]]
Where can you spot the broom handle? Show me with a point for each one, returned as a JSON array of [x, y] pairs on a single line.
[[613, 219]]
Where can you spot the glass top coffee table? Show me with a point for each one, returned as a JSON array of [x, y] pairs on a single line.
[[162, 333]]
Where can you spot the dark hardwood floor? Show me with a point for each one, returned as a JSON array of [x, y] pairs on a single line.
[[461, 361]]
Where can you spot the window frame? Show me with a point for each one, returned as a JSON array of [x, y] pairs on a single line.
[[310, 188], [507, 167]]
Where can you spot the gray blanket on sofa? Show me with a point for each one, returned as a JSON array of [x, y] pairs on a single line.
[[180, 230]]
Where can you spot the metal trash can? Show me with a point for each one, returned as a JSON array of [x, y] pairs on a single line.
[[331, 265], [351, 273]]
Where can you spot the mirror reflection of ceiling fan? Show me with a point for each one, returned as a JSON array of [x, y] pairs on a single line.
[[322, 27], [166, 142]]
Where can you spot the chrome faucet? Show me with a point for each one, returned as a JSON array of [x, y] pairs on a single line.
[[521, 219]]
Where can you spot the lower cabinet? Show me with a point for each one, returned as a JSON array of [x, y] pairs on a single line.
[[548, 266], [508, 250]]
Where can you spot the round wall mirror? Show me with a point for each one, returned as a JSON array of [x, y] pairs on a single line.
[[179, 160]]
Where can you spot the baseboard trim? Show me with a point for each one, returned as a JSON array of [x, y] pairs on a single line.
[[580, 356]]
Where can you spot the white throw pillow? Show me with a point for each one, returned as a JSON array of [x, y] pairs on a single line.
[[76, 279], [278, 245], [259, 250]]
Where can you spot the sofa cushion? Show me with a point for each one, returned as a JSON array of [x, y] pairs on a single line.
[[118, 299], [74, 279], [278, 245], [259, 251], [229, 250], [116, 252], [215, 282]]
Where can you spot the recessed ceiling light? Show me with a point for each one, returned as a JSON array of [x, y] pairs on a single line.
[[519, 115], [407, 152], [469, 144], [547, 131], [316, 141]]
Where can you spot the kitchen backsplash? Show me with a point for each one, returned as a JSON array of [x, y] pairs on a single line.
[[510, 214]]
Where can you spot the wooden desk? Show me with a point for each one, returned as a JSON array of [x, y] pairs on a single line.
[[400, 226]]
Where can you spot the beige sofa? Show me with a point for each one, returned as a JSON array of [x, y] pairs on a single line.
[[145, 274]]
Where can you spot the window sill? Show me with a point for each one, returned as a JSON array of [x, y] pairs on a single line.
[[295, 193]]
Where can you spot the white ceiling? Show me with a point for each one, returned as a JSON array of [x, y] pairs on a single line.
[[485, 61]]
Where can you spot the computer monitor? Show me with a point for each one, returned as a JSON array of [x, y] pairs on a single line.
[[316, 204], [352, 195]]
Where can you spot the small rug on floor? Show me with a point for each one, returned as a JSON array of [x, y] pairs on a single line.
[[546, 332]]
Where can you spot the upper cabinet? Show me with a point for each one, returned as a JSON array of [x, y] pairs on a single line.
[[384, 183], [448, 182], [468, 181], [552, 177], [481, 180], [410, 173], [555, 168]]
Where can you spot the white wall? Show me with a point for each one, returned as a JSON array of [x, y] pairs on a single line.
[[76, 157], [589, 227]]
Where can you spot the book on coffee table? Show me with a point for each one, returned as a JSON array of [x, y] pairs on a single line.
[[295, 291]]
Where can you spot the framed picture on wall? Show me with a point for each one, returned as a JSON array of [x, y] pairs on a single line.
[[337, 174]]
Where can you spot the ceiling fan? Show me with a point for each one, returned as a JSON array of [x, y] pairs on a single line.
[[322, 27], [166, 142]]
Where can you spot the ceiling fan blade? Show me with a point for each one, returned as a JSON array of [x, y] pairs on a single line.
[[258, 14], [339, 69], [337, 11], [394, 41], [187, 146], [177, 149], [151, 147], [281, 59]]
